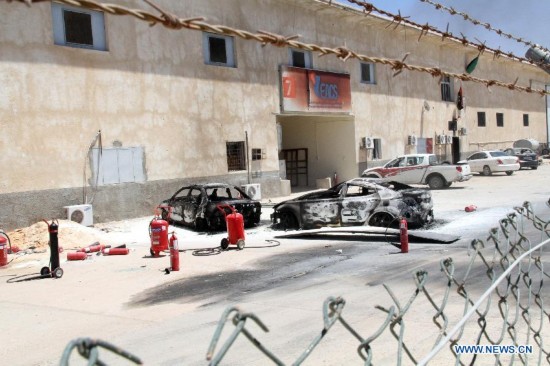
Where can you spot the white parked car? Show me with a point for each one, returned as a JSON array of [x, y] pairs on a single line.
[[493, 161]]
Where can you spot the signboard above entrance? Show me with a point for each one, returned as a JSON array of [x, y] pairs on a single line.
[[313, 91]]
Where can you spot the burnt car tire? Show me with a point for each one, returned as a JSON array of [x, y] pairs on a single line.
[[288, 221], [383, 219], [217, 221], [486, 171], [436, 182], [509, 172], [200, 224]]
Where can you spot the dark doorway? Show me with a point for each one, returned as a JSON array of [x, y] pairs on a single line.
[[455, 148]]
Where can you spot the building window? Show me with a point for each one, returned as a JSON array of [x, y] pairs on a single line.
[[480, 119], [500, 120], [219, 50], [446, 89], [299, 58], [256, 154], [75, 27], [377, 149], [235, 156], [525, 120], [118, 165], [367, 73]]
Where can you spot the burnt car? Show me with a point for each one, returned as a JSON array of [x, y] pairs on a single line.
[[196, 206], [356, 202], [527, 157]]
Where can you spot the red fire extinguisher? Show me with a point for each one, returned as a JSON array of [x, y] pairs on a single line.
[[158, 231], [404, 235], [174, 252], [4, 240]]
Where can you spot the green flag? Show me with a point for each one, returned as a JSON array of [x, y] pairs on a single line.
[[472, 65]]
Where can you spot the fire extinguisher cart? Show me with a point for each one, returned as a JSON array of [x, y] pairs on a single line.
[[55, 270], [235, 227]]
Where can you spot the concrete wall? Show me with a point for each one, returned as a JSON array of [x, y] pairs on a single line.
[[152, 89]]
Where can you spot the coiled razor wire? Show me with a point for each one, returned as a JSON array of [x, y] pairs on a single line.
[[511, 263], [509, 259]]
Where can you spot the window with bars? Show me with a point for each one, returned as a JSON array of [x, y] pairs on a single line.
[[236, 159], [75, 27], [256, 154]]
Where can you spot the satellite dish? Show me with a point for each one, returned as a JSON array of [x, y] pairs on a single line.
[[426, 106]]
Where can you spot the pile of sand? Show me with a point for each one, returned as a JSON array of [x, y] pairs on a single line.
[[70, 236]]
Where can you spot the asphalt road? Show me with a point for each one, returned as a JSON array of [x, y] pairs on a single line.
[[169, 319]]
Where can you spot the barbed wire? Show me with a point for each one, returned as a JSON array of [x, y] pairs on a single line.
[[343, 53], [485, 25], [425, 28]]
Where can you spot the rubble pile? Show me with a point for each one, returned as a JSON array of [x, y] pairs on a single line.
[[71, 236]]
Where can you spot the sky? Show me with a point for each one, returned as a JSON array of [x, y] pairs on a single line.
[[528, 19]]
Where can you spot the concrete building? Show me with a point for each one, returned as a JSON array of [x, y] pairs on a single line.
[[167, 107]]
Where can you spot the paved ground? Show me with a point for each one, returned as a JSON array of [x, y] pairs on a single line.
[[169, 319]]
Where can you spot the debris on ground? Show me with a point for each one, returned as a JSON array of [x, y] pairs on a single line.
[[71, 236]]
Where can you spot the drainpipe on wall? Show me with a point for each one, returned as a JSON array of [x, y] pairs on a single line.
[[247, 156]]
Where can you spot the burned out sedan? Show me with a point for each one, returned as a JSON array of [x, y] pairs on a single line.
[[360, 201], [196, 206]]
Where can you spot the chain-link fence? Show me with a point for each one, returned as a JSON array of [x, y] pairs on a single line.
[[496, 303]]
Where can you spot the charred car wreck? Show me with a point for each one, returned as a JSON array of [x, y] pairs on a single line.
[[196, 206], [360, 201]]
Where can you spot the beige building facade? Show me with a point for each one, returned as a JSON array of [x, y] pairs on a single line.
[[105, 110]]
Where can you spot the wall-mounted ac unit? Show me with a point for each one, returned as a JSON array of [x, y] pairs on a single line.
[[366, 143], [82, 214], [411, 140], [441, 139], [463, 131], [449, 139], [253, 190]]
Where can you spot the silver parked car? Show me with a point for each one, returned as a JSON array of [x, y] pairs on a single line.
[[492, 161]]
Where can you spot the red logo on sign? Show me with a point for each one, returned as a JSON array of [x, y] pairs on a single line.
[[289, 87]]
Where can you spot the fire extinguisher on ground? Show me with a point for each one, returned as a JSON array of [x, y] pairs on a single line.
[[404, 235], [4, 240], [174, 252]]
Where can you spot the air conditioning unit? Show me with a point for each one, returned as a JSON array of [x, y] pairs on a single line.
[[441, 139], [253, 190], [366, 143], [412, 140], [449, 139], [82, 214], [463, 131]]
